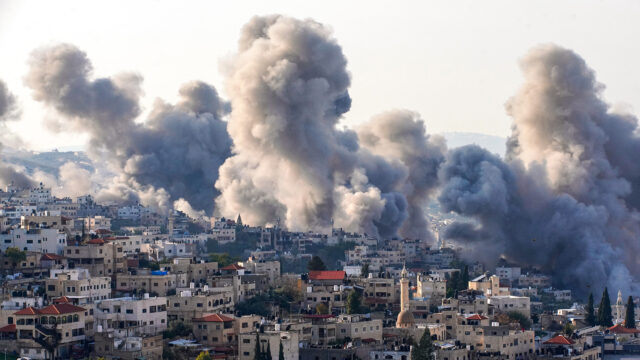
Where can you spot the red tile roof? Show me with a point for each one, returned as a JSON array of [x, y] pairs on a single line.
[[318, 316], [619, 329], [476, 317], [8, 328], [56, 309], [327, 275], [61, 300], [26, 311], [95, 242], [559, 340], [232, 267], [51, 257], [214, 318]]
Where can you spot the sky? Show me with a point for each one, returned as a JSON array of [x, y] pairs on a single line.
[[454, 62]]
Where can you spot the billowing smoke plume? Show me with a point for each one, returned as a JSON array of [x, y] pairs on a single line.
[[289, 87], [401, 136], [9, 111], [175, 154], [563, 201]]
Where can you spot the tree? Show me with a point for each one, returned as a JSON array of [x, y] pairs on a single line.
[[424, 350], [16, 256], [267, 355], [568, 329], [322, 309], [204, 356], [316, 264], [281, 352], [604, 310], [630, 316], [464, 280], [591, 316], [354, 303], [258, 354], [524, 321], [364, 270]]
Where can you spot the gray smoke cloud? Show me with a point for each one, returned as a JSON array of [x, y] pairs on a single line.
[[175, 154], [9, 111], [401, 136], [289, 84], [563, 199]]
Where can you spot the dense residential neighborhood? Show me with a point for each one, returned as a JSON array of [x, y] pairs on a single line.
[[87, 280]]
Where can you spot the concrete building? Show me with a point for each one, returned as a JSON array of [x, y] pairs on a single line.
[[99, 257], [223, 330], [269, 340], [38, 240], [506, 304], [512, 344], [129, 316], [34, 325], [195, 303], [78, 283]]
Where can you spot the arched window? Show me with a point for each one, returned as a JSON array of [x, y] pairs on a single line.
[[76, 318], [64, 319], [43, 320], [69, 318]]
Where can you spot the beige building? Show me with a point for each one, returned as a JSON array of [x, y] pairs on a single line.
[[110, 347], [489, 285], [197, 272], [99, 257], [269, 340], [129, 316], [77, 283], [506, 304], [428, 287], [146, 282], [271, 268], [67, 320], [195, 303], [222, 330], [513, 344], [97, 223], [357, 327]]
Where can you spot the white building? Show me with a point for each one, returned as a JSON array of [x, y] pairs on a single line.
[[129, 316], [40, 195], [508, 273], [39, 240]]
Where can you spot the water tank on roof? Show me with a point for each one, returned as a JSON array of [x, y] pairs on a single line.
[[158, 272]]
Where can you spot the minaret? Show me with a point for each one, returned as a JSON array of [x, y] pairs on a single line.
[[405, 317], [619, 309], [404, 290]]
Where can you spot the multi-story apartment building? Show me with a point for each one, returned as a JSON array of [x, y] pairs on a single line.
[[129, 316], [99, 257], [78, 283], [269, 340], [223, 330], [428, 287], [39, 240], [505, 304], [271, 268], [195, 303], [97, 222], [197, 272], [155, 282], [34, 326], [511, 344]]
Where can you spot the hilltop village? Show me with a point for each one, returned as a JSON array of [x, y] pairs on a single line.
[[82, 280]]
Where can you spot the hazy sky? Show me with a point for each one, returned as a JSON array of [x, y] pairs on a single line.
[[455, 62]]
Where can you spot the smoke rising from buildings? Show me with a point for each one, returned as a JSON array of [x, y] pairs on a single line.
[[9, 111], [565, 198], [288, 84], [560, 201], [174, 154]]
